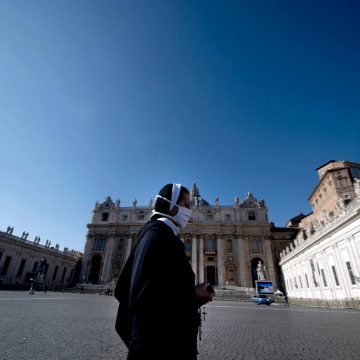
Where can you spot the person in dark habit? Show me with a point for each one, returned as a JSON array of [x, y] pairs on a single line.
[[158, 315]]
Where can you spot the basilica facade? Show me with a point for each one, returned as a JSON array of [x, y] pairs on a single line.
[[224, 243]]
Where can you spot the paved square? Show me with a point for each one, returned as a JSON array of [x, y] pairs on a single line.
[[81, 327]]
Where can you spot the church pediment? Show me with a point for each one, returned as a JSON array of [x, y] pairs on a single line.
[[251, 202]]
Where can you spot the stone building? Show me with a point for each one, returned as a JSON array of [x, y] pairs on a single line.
[[23, 261], [224, 244], [323, 263]]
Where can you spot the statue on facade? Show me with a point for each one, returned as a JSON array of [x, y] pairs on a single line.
[[42, 265], [11, 230], [151, 203], [357, 187], [26, 235], [134, 203], [117, 203], [217, 201], [57, 247], [260, 271], [236, 201], [8, 229]]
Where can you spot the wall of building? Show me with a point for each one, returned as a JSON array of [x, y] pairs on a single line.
[[326, 265], [20, 260], [223, 243]]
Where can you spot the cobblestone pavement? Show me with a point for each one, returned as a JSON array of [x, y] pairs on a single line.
[[74, 326]]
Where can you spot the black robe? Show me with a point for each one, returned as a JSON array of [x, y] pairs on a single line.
[[159, 285]]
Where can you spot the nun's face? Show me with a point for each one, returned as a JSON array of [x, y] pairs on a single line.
[[184, 202]]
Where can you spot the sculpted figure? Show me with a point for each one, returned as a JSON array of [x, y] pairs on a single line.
[[260, 271]]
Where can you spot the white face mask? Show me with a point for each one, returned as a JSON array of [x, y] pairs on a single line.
[[182, 217]]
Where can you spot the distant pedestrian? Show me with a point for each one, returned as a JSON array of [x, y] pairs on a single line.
[[286, 303], [46, 288], [32, 292]]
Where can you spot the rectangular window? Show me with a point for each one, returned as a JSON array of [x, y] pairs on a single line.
[[46, 270], [210, 246], [227, 217], [307, 281], [55, 272], [36, 264], [312, 265], [335, 276], [342, 182], [105, 216], [21, 268], [5, 268], [352, 278], [251, 215], [124, 218], [255, 246], [63, 274], [188, 245], [99, 245], [323, 276], [316, 284]]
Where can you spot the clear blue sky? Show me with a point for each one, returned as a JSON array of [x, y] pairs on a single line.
[[118, 98]]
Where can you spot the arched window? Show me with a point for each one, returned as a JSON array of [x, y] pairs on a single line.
[[229, 245]]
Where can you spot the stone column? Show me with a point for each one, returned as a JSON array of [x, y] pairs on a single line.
[[193, 255], [219, 260], [269, 259], [128, 247], [356, 255], [89, 245], [13, 268], [105, 274], [241, 263], [201, 259]]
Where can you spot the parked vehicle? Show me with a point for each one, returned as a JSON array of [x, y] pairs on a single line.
[[262, 299]]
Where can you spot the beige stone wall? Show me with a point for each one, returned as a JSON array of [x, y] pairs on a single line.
[[19, 249], [222, 241]]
